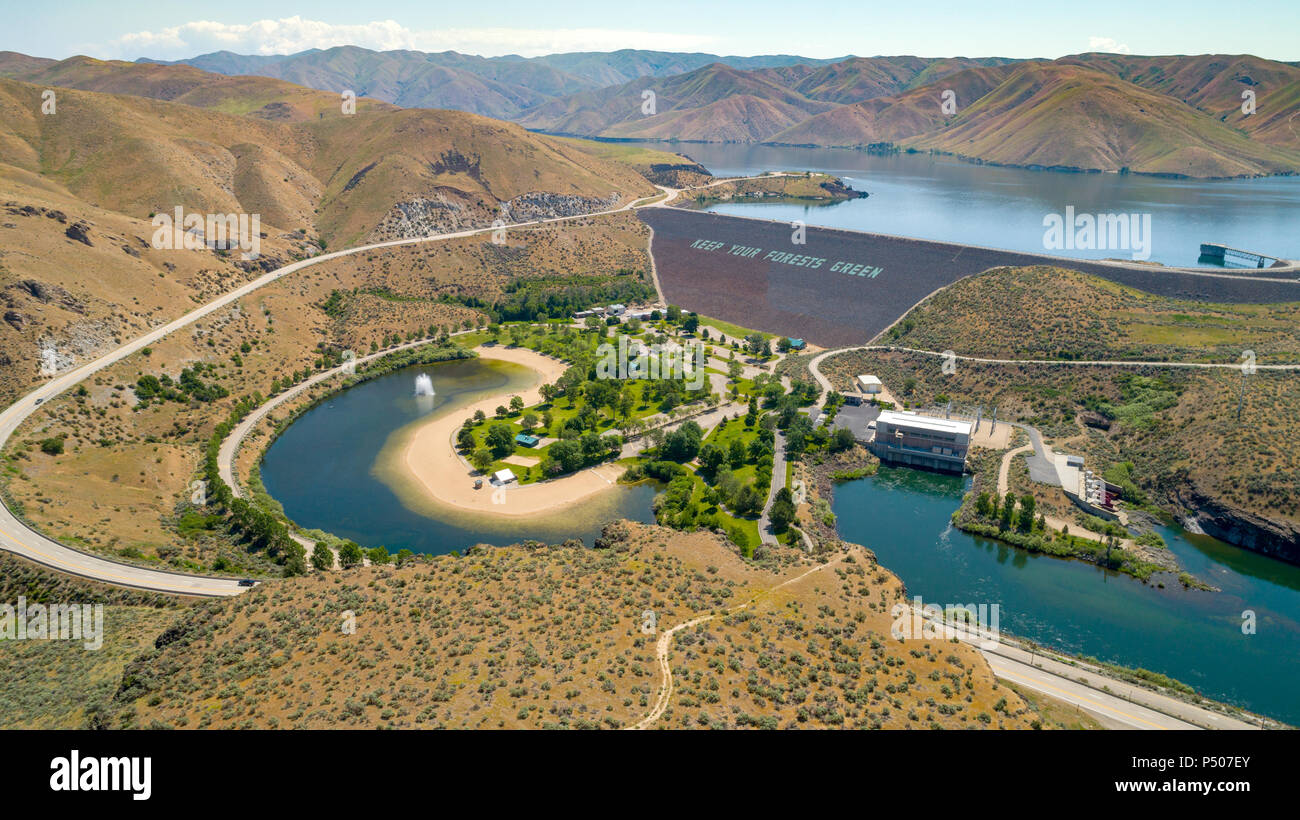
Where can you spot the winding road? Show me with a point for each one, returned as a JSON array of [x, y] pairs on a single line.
[[16, 537]]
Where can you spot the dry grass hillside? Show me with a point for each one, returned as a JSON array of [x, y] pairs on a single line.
[[121, 484], [1062, 115], [715, 103], [552, 637], [1179, 429], [376, 174], [892, 119], [1214, 83], [54, 684], [261, 97], [78, 280], [1051, 313], [79, 272]]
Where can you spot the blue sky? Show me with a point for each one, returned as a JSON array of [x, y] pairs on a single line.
[[814, 28]]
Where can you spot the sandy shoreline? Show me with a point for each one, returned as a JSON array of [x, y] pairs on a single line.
[[431, 459]]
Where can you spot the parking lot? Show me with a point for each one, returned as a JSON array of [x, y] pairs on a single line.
[[856, 418]]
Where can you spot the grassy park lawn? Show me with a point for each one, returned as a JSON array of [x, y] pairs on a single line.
[[725, 520], [732, 331]]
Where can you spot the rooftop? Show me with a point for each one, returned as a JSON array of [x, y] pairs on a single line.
[[915, 420]]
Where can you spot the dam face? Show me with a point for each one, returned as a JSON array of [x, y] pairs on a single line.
[[842, 288]]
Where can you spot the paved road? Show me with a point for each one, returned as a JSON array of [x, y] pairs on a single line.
[[1133, 706], [778, 481], [1060, 362], [19, 539]]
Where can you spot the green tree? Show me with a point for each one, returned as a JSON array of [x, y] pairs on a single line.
[[481, 458], [501, 439], [842, 440], [350, 554], [736, 454], [711, 459], [465, 439], [321, 557], [1026, 518], [683, 444], [1008, 511], [783, 510]]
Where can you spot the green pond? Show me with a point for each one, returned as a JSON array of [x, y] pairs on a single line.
[[327, 468]]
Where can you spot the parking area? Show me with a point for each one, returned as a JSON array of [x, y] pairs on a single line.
[[856, 418]]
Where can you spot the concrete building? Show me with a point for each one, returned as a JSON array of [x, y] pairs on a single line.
[[922, 441], [870, 386], [1089, 491]]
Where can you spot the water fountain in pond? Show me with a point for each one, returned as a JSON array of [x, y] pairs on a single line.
[[423, 385]]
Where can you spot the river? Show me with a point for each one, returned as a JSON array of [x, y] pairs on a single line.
[[1192, 635]]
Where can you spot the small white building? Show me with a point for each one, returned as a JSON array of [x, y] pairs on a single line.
[[870, 385], [503, 476]]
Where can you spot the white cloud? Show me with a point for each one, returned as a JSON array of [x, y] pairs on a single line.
[[294, 34], [1108, 45]]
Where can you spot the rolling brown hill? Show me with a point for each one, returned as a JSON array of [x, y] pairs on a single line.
[[1055, 115], [864, 78], [78, 188], [716, 103], [1052, 115], [570, 650], [895, 118], [1214, 83], [493, 86], [721, 103], [296, 159], [255, 96]]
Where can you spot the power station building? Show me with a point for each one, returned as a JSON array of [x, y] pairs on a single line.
[[922, 441]]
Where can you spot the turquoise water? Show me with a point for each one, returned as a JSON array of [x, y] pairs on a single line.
[[323, 468], [947, 199], [1194, 636]]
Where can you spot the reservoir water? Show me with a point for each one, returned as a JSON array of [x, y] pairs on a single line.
[[942, 198], [1191, 635], [1194, 636], [325, 468]]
